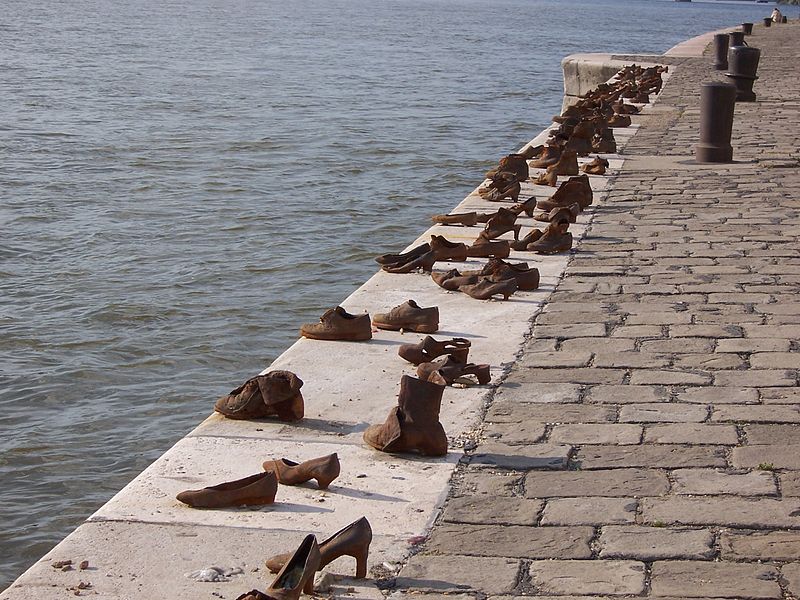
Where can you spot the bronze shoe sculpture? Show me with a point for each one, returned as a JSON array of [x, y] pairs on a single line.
[[548, 156], [526, 207], [465, 219], [324, 469], [254, 490], [296, 576], [429, 349], [497, 269], [388, 259], [443, 249], [447, 370], [424, 262], [276, 394], [556, 239], [619, 121], [567, 164], [513, 163], [509, 191], [570, 213], [353, 540], [413, 425], [452, 280], [530, 152], [484, 249], [548, 177], [409, 316], [597, 167], [488, 287], [574, 190], [338, 324], [522, 245]]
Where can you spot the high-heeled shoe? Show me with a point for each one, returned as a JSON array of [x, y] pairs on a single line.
[[446, 370], [526, 207], [429, 349], [387, 259], [510, 191], [451, 280], [324, 469], [353, 540], [254, 490], [493, 232], [297, 575], [486, 288], [522, 245]]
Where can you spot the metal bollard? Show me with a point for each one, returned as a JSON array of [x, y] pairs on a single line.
[[747, 28], [784, 19], [742, 69], [737, 38], [721, 43], [717, 101], [767, 21]]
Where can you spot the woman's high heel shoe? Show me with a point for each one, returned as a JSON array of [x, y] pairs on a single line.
[[297, 575], [353, 541], [429, 349], [324, 469], [486, 288]]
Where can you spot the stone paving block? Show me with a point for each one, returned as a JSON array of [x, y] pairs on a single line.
[[791, 332], [768, 434], [790, 483], [655, 543], [511, 541], [664, 377], [497, 511], [664, 456], [693, 579], [541, 393], [638, 331], [533, 456], [775, 360], [575, 375], [760, 545], [577, 434], [605, 483], [699, 345], [526, 432], [791, 574], [705, 331], [756, 413], [691, 433], [778, 456], [756, 513], [659, 318], [664, 412], [638, 360], [598, 345], [480, 482], [589, 511], [780, 395], [507, 412], [709, 361], [717, 481], [755, 378], [719, 395], [561, 577], [626, 394], [556, 359], [570, 331], [459, 573]]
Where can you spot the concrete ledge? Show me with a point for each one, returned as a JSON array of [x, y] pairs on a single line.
[[584, 72]]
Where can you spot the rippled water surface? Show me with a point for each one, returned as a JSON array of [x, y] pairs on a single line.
[[182, 184]]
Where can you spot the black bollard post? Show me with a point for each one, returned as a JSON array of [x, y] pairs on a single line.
[[737, 38], [784, 19], [742, 69], [747, 28], [767, 21], [721, 42], [717, 101]]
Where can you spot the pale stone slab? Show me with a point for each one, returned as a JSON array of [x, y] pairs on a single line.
[[665, 412], [596, 433], [775, 360], [655, 543], [626, 394], [757, 413], [534, 456], [691, 579], [665, 377], [508, 412], [714, 482], [459, 573], [790, 483], [783, 456], [624, 483], [481, 482], [497, 511], [760, 545], [719, 395], [726, 511], [511, 541], [589, 511], [527, 432], [664, 456], [755, 378], [585, 375], [691, 433], [780, 395], [543, 393], [581, 577], [557, 359], [791, 573]]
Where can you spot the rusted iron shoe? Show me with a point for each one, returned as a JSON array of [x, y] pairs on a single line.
[[429, 349], [254, 490], [447, 370], [497, 269], [424, 263], [641, 98], [409, 316], [597, 167], [388, 259], [324, 469], [619, 121], [604, 142], [297, 575], [413, 425], [522, 245], [276, 394], [548, 156], [512, 163], [452, 280], [488, 287], [570, 213], [621, 108], [440, 249], [464, 219], [548, 177], [338, 324], [510, 191], [530, 152], [502, 222], [526, 207], [555, 239], [484, 249], [574, 190], [353, 540]]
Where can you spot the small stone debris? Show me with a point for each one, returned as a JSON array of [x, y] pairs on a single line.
[[214, 574], [84, 565], [60, 564]]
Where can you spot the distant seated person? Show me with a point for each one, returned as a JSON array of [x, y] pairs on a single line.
[[777, 17]]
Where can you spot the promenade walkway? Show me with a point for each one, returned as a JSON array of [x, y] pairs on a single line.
[[647, 442]]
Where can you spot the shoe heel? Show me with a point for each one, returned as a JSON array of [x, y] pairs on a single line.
[[460, 355], [308, 588], [361, 562], [517, 229], [483, 374]]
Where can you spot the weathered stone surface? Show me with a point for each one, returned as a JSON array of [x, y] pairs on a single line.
[[775, 360], [753, 345], [665, 412], [480, 482], [664, 456], [716, 482], [719, 395], [638, 360], [760, 545], [684, 344], [706, 331], [570, 331], [637, 331], [608, 483], [598, 345], [728, 511], [691, 433], [459, 573], [589, 511], [655, 543], [691, 579], [576, 375], [791, 573], [754, 378], [526, 432], [782, 456], [500, 510], [708, 361], [556, 359], [757, 413], [790, 483], [507, 412], [596, 433], [511, 541], [523, 457], [614, 577], [780, 395], [543, 393], [626, 394]]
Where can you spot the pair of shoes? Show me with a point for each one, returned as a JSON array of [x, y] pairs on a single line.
[[409, 316], [570, 213], [429, 349], [597, 167], [476, 284], [502, 222], [504, 185], [439, 249], [338, 324], [574, 190], [324, 469], [512, 163], [295, 577], [527, 278], [353, 540], [275, 394], [556, 238], [447, 370]]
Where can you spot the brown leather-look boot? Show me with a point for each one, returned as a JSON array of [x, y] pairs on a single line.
[[548, 177], [413, 426], [567, 164], [604, 141], [429, 349], [548, 156], [254, 490], [574, 190], [619, 121], [446, 370], [556, 239], [353, 540], [324, 469], [465, 219], [512, 163], [297, 575], [276, 394], [597, 167]]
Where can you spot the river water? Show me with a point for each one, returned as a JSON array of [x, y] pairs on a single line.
[[182, 184]]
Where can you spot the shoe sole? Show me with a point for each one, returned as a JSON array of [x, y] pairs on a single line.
[[410, 327]]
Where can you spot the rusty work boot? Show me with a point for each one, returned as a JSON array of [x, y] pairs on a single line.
[[548, 177], [276, 394], [324, 469], [338, 324], [409, 316], [429, 349], [498, 270], [548, 156], [413, 426], [597, 167]]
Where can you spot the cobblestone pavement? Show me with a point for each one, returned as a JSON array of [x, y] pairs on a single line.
[[647, 442]]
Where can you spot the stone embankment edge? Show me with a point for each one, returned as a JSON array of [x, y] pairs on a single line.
[[141, 543]]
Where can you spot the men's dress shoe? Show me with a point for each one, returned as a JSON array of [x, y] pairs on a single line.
[[324, 469], [409, 316], [251, 491], [429, 349], [575, 189], [447, 370], [353, 540], [413, 425], [338, 324], [484, 249], [276, 394]]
